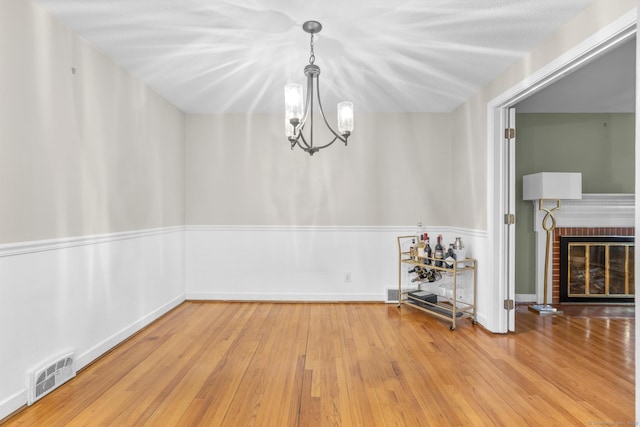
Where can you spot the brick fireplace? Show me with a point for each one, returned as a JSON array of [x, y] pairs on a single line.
[[593, 215], [579, 231]]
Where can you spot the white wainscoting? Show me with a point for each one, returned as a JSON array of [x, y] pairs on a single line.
[[90, 293], [301, 263], [87, 294]]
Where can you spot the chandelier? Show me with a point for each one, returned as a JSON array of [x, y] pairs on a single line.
[[297, 115]]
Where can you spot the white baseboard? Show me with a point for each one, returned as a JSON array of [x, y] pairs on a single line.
[[12, 403], [525, 297], [482, 320], [19, 399], [307, 297], [101, 348], [76, 274]]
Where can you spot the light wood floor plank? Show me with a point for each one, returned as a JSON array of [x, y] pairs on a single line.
[[357, 364]]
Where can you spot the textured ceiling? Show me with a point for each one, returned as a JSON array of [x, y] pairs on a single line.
[[208, 56]]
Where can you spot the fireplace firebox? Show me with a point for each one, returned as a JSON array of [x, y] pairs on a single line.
[[597, 269]]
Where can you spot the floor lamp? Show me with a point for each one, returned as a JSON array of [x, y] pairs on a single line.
[[551, 187]]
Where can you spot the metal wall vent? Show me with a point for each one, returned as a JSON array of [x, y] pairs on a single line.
[[49, 376], [392, 295]]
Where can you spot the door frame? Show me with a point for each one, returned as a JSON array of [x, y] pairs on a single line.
[[498, 190]]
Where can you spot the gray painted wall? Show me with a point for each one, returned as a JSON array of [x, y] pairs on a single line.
[[395, 171], [85, 148]]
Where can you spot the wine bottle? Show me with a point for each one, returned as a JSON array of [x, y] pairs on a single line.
[[424, 275], [439, 252], [458, 249], [412, 249], [450, 257], [421, 247], [427, 250]]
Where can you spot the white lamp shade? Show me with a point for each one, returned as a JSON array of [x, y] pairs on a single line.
[[552, 185], [293, 100], [345, 117]]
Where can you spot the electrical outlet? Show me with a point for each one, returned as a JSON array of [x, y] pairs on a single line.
[[347, 277]]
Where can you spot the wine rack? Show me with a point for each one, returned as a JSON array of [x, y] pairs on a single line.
[[450, 307]]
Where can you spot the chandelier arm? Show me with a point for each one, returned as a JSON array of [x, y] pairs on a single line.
[[298, 136], [304, 141], [310, 111], [326, 145], [304, 146], [308, 102], [326, 122], [299, 140]]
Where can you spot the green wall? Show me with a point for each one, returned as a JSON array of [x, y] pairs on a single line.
[[601, 146]]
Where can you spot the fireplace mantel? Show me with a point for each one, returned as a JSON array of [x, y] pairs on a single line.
[[593, 210]]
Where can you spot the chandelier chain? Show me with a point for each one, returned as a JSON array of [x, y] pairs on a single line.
[[312, 56]]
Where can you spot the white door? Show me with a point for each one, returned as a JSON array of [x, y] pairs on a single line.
[[509, 210]]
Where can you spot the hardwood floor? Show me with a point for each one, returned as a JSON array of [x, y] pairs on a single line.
[[281, 364]]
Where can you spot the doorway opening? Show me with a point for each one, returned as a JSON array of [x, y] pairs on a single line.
[[502, 183]]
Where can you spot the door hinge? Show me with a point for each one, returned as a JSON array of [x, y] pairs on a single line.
[[509, 219], [509, 133], [509, 304]]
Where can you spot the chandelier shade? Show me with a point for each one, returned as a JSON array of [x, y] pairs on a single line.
[[293, 100], [299, 109], [345, 117]]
